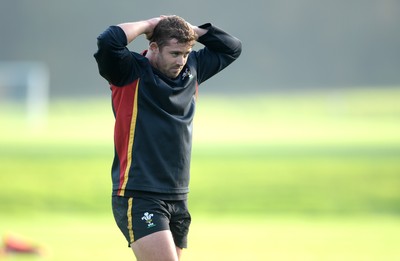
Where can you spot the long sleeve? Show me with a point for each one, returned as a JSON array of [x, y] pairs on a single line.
[[115, 62], [221, 49]]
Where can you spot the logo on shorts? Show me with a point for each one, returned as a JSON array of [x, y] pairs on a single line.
[[148, 218]]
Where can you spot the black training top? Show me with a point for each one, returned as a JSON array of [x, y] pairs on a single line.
[[153, 113]]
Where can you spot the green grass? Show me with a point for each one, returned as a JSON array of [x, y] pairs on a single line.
[[258, 183], [254, 180], [95, 237], [299, 176]]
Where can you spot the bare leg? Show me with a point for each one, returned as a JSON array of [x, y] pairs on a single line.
[[158, 246], [179, 252]]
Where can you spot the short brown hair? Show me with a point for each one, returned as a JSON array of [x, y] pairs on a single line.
[[172, 27]]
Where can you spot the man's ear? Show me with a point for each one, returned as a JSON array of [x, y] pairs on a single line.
[[153, 47]]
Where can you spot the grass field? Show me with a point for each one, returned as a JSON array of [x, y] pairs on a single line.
[[94, 237], [311, 175]]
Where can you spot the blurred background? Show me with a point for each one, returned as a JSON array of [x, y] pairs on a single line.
[[288, 44], [296, 150]]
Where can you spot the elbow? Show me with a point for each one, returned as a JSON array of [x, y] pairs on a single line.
[[238, 49], [102, 42]]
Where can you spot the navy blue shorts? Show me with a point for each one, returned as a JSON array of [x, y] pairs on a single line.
[[138, 217]]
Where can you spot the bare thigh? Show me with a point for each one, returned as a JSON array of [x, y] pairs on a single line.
[[158, 246]]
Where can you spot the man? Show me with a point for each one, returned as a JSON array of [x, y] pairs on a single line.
[[153, 100]]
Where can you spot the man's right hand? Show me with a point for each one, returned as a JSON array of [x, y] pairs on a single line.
[[134, 29], [151, 24]]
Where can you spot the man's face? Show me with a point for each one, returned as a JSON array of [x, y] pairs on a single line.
[[172, 57]]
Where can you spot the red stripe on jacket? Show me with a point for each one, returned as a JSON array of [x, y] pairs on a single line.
[[125, 109]]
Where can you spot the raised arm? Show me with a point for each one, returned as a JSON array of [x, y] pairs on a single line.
[[146, 27], [221, 49], [115, 62], [134, 29]]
